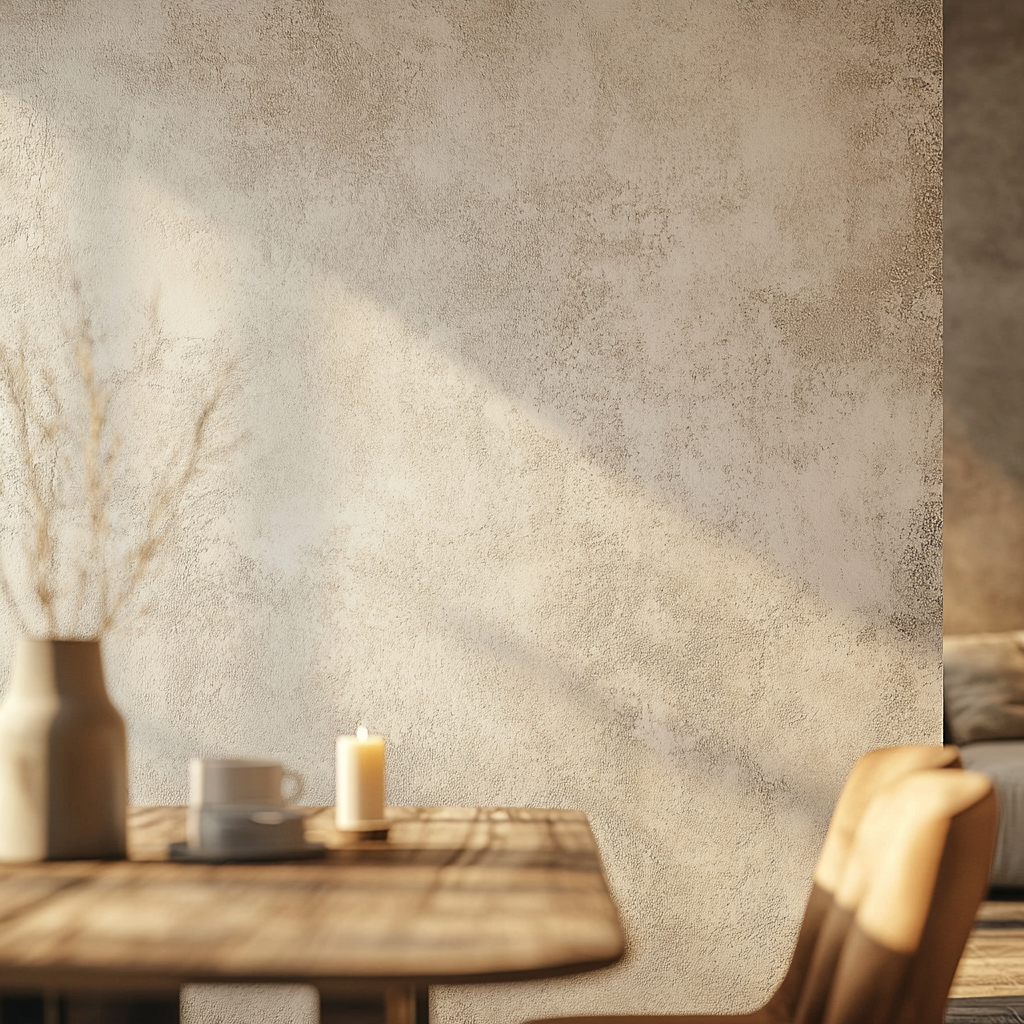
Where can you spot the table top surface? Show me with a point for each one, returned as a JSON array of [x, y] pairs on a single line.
[[453, 895]]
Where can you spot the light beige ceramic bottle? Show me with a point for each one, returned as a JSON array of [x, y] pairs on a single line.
[[63, 757]]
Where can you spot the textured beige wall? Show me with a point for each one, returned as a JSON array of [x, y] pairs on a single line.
[[585, 424], [984, 353]]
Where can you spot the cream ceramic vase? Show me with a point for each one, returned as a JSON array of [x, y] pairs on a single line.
[[63, 757]]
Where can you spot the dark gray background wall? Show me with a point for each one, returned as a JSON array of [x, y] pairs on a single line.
[[984, 316]]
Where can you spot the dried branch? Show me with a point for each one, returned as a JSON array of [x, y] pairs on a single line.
[[41, 436], [8, 593], [176, 478], [97, 471], [17, 385]]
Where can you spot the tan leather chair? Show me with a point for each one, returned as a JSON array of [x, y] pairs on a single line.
[[906, 903], [873, 774]]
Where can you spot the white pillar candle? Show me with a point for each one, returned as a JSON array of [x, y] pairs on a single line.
[[360, 793]]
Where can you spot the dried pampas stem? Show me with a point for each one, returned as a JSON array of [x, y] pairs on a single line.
[[97, 472], [179, 473], [42, 436], [39, 485]]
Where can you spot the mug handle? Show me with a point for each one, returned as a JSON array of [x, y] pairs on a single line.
[[296, 778]]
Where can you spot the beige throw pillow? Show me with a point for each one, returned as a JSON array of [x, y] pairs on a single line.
[[983, 680]]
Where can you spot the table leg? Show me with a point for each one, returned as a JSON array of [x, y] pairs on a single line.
[[400, 1004], [394, 1004]]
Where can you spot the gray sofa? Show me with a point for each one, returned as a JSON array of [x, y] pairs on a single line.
[[983, 680]]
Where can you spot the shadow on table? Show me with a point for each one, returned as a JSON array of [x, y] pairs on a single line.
[[114, 1009], [98, 1009]]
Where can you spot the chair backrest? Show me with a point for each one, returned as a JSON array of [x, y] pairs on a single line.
[[918, 868], [960, 886], [872, 773]]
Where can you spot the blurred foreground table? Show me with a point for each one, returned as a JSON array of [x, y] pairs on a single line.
[[453, 896]]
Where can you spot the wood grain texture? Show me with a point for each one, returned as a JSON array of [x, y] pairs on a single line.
[[454, 894], [993, 960], [992, 965]]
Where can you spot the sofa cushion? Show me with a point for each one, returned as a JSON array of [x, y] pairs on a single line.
[[1003, 760], [983, 680]]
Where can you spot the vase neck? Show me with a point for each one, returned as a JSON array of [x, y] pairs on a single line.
[[71, 669], [79, 670]]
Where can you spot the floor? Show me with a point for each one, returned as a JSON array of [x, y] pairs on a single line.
[[993, 962]]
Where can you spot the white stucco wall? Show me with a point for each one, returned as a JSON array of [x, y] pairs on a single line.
[[583, 435]]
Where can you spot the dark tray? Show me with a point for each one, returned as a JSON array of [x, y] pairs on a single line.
[[181, 852]]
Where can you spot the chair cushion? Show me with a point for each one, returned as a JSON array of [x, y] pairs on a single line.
[[983, 679], [1004, 762]]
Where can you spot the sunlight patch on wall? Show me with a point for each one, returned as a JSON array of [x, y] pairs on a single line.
[[517, 602]]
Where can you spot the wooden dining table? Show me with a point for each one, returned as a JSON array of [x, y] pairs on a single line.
[[453, 895]]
